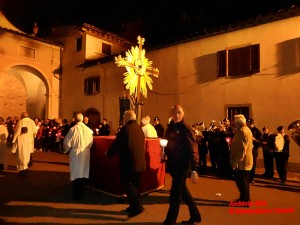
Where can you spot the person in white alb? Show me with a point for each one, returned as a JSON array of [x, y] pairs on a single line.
[[77, 143], [24, 135], [148, 128]]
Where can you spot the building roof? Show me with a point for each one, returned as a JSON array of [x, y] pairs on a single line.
[[5, 25], [8, 25], [292, 12], [251, 22], [105, 35]]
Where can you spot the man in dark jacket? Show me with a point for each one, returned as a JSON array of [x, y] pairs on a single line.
[[268, 152], [257, 141], [282, 154], [130, 143], [182, 156], [105, 129], [159, 127]]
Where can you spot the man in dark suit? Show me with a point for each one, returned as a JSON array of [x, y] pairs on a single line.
[[282, 153], [257, 140], [130, 143], [105, 129], [182, 157], [159, 127], [268, 152]]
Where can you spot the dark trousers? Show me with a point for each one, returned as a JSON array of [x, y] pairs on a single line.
[[281, 160], [30, 160], [241, 178], [252, 171], [268, 163], [202, 159], [78, 187], [213, 155], [37, 143], [130, 183], [179, 191], [225, 169]]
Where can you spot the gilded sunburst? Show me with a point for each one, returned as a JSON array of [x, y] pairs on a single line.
[[137, 67]]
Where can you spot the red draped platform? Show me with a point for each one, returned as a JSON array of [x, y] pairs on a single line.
[[105, 173]]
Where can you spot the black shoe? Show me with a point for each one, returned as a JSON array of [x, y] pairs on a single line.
[[30, 163], [128, 209], [267, 176], [191, 221], [134, 212], [77, 196], [23, 172]]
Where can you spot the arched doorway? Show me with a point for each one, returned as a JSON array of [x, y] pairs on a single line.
[[23, 88], [94, 117]]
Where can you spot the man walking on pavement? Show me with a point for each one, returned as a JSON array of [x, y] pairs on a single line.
[[130, 144], [182, 156]]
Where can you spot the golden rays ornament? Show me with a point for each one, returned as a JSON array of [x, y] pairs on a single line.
[[138, 70]]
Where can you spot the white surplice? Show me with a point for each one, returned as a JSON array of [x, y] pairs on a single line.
[[78, 141], [25, 142]]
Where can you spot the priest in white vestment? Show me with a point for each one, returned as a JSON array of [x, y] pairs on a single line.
[[24, 135], [3, 144], [148, 128], [77, 143]]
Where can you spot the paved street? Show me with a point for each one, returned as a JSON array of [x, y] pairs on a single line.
[[44, 197]]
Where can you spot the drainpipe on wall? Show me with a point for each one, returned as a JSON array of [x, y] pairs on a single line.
[[226, 63], [104, 95]]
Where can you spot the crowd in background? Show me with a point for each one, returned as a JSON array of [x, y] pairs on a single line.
[[213, 141], [51, 132]]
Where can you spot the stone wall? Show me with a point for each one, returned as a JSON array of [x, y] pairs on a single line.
[[13, 98]]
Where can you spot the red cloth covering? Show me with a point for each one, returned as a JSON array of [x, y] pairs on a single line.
[[105, 173]]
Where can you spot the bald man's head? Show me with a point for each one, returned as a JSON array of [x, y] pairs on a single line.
[[177, 113]]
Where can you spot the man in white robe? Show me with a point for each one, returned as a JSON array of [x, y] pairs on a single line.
[[148, 128], [3, 144], [77, 143], [24, 135]]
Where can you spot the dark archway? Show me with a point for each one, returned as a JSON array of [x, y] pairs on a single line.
[[94, 117]]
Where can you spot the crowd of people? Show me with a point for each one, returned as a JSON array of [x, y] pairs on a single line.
[[47, 135], [232, 149], [50, 133], [215, 142]]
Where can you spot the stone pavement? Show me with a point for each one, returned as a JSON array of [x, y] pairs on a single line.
[[44, 197]]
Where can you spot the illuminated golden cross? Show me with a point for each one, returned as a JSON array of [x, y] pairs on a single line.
[[139, 69]]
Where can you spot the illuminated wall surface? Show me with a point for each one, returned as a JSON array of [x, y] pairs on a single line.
[[187, 75], [28, 79]]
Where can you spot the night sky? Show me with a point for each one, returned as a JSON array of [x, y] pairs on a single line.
[[158, 20]]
